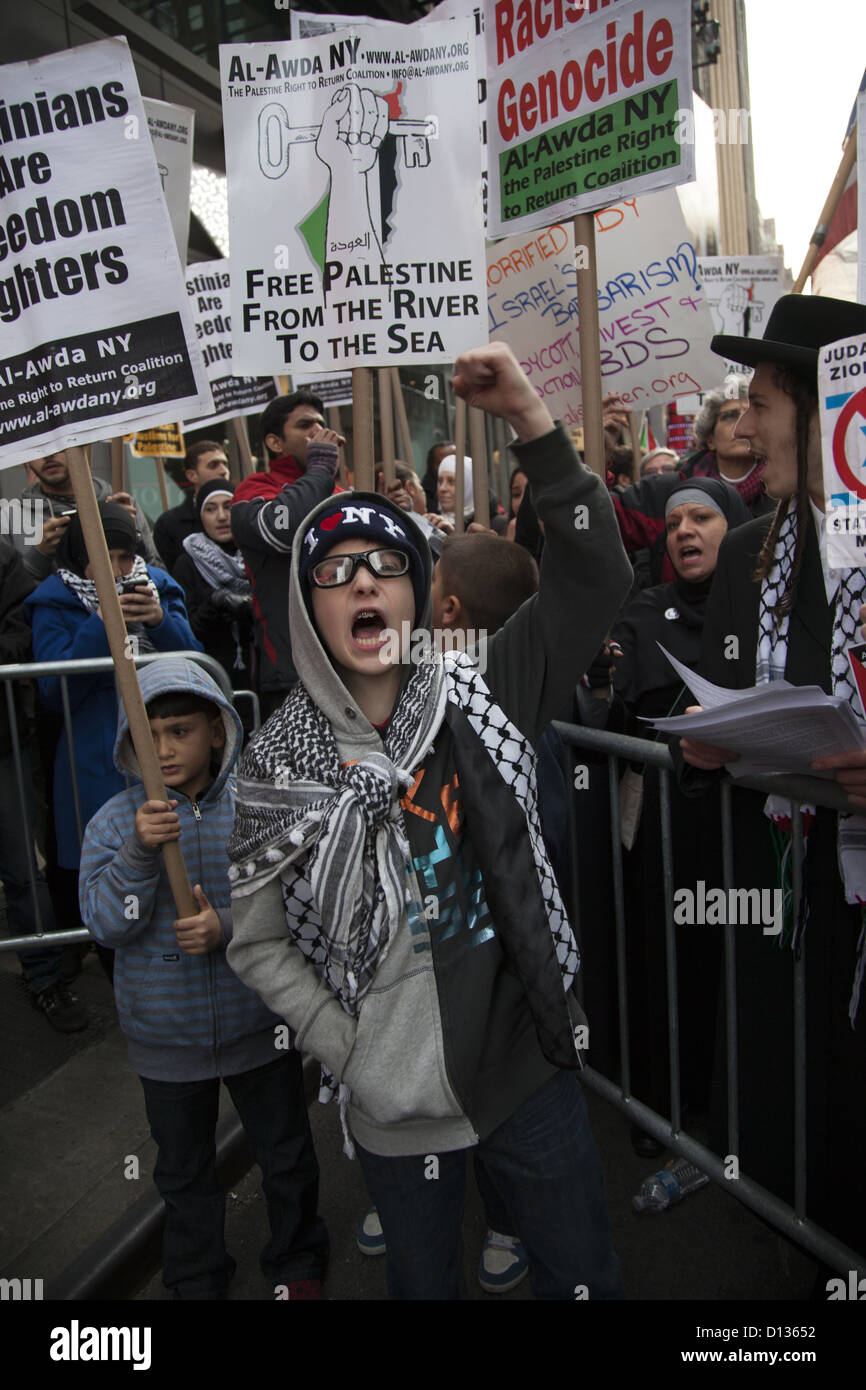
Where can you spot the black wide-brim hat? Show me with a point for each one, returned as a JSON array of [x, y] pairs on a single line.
[[798, 327]]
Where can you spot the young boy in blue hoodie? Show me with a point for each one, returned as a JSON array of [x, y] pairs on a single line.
[[392, 896], [188, 1019]]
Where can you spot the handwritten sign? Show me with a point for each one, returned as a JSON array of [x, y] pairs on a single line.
[[586, 103], [353, 166], [654, 322]]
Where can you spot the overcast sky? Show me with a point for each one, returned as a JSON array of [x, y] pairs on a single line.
[[806, 59]]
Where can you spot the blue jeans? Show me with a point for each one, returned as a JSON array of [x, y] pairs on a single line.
[[183, 1118], [40, 967], [545, 1167]]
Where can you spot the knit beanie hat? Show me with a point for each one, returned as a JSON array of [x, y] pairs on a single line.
[[216, 487], [382, 525], [120, 534]]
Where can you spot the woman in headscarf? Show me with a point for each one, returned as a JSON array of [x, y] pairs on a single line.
[[67, 625], [446, 489], [446, 499], [212, 574], [698, 514]]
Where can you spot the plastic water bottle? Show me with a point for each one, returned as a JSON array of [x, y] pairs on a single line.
[[669, 1186]]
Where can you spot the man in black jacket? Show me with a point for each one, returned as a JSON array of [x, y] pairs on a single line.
[[42, 966], [778, 609]]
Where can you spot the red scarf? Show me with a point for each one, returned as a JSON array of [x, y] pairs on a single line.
[[750, 488]]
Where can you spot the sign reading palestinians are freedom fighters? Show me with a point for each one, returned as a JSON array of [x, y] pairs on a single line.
[[85, 244], [587, 101], [354, 177], [208, 286]]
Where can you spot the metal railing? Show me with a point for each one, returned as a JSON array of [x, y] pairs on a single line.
[[36, 670], [791, 1220]]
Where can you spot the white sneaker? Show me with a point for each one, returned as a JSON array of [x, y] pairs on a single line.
[[503, 1263]]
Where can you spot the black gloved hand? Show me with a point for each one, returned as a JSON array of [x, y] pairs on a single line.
[[599, 674], [232, 605]]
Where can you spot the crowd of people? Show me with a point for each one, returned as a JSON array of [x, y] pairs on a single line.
[[383, 865]]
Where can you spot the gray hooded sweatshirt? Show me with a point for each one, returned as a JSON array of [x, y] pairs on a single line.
[[467, 1015]]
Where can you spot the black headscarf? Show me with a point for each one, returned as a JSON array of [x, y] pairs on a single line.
[[691, 599], [120, 534]]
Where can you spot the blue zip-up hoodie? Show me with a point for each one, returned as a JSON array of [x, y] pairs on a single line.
[[185, 1017]]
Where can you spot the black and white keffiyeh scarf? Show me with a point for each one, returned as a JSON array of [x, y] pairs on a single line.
[[296, 802], [85, 589], [334, 834], [770, 665], [217, 567]]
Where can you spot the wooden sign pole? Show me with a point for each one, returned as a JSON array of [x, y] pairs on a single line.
[[128, 688], [406, 452], [239, 425], [386, 423], [336, 425], [828, 212], [635, 425], [160, 477], [590, 351], [460, 446], [478, 450], [116, 463], [362, 429], [501, 440]]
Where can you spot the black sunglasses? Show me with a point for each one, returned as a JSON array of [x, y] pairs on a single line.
[[340, 569]]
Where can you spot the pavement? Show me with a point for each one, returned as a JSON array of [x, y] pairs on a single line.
[[77, 1156]]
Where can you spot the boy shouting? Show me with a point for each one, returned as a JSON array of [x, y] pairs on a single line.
[[392, 896]]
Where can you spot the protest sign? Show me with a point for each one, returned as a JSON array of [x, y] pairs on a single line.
[[530, 289], [165, 441], [305, 25], [654, 323], [354, 180], [585, 105], [171, 133], [741, 291], [332, 388], [842, 397], [208, 289], [85, 244]]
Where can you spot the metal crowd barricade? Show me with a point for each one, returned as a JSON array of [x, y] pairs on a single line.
[[792, 1221], [35, 670]]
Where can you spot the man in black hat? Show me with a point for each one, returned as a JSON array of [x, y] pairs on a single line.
[[777, 609]]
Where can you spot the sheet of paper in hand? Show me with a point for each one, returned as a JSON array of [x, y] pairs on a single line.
[[775, 728]]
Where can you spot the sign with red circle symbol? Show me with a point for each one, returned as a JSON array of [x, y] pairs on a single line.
[[853, 477]]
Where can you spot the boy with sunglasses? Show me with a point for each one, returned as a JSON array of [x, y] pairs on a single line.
[[392, 897]]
